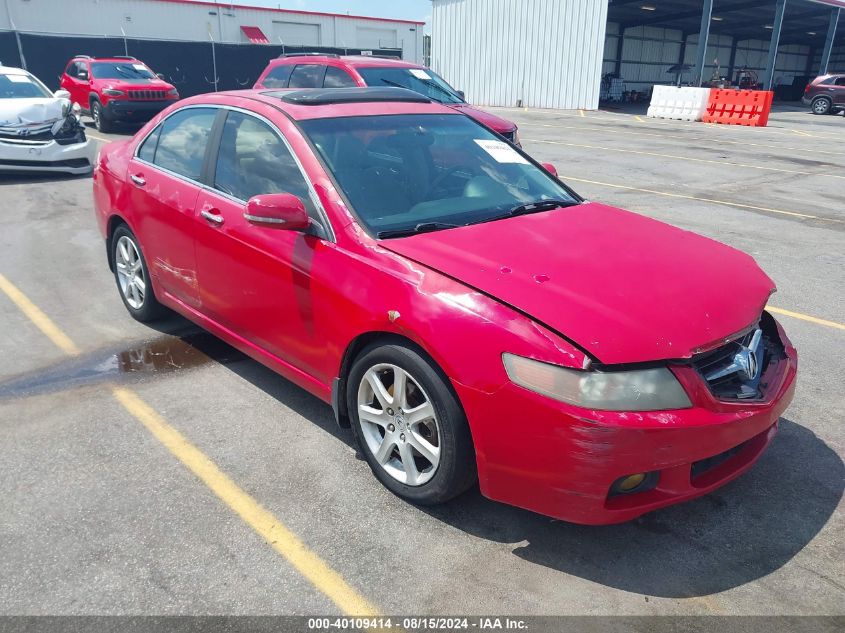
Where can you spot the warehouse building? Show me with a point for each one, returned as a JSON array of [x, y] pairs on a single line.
[[570, 53], [222, 22]]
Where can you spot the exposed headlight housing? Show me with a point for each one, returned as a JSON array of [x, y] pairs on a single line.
[[653, 389], [113, 92]]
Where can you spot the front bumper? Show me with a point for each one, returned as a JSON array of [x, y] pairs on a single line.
[[49, 157], [135, 110], [561, 461]]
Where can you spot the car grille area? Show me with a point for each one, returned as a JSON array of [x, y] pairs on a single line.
[[147, 95], [731, 375]]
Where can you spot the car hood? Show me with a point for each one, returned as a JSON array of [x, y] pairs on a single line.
[[137, 84], [622, 286], [490, 120], [26, 112]]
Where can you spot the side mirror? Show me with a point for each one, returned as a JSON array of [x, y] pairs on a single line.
[[279, 211], [550, 168], [61, 94], [83, 75], [461, 94]]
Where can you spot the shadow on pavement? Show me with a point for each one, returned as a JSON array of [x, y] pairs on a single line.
[[742, 532]]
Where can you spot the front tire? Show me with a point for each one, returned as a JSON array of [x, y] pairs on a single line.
[[132, 277], [101, 122], [822, 105], [409, 425]]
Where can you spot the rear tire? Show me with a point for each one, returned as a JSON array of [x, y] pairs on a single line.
[[418, 444], [101, 122], [132, 277], [821, 105]]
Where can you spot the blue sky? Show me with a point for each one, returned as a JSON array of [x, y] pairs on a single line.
[[402, 9]]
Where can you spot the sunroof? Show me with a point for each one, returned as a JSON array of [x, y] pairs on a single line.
[[328, 96]]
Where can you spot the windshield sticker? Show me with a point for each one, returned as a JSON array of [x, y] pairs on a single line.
[[420, 74], [18, 79], [501, 151], [139, 67]]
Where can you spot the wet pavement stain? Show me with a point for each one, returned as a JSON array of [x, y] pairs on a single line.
[[149, 359]]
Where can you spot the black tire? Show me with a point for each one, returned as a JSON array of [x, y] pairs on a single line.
[[101, 120], [456, 471], [150, 309], [821, 105]]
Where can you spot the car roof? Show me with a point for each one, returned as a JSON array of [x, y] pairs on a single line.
[[117, 60], [11, 70], [299, 107], [355, 61]]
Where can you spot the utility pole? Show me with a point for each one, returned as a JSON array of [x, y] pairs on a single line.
[[17, 34]]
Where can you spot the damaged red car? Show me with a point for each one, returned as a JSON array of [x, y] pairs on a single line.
[[463, 310]]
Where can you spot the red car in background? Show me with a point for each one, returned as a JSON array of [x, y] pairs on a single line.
[[469, 315], [317, 70], [825, 94], [113, 89]]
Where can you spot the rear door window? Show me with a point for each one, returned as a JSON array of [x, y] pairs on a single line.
[[840, 81], [307, 76], [338, 78], [278, 77], [182, 141]]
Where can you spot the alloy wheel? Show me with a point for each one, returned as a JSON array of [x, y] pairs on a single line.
[[130, 272], [399, 424], [820, 106]]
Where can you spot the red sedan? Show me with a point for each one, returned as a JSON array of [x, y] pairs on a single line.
[[464, 311]]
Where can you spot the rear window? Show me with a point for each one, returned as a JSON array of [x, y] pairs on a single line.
[[307, 76], [278, 77]]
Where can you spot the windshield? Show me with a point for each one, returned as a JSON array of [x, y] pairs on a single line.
[[22, 87], [420, 80], [114, 70], [401, 171]]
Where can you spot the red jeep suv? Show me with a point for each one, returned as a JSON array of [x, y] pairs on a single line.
[[316, 70], [826, 94], [116, 88]]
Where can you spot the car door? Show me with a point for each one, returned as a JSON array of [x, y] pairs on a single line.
[[165, 176], [256, 280], [74, 85], [838, 91]]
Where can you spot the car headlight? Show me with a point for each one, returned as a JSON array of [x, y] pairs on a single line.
[[113, 92], [634, 390], [173, 93]]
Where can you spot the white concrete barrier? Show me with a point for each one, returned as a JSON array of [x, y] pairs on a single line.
[[680, 104]]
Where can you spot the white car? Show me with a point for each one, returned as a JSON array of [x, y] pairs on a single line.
[[40, 131]]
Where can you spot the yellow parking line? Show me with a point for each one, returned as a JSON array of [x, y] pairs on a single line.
[[805, 317], [268, 527], [802, 132], [38, 318], [640, 119], [711, 200], [581, 112], [686, 158], [253, 513], [99, 138]]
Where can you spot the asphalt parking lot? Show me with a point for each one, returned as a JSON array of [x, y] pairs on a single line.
[[159, 471]]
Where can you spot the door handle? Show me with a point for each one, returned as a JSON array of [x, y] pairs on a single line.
[[211, 217], [138, 180]]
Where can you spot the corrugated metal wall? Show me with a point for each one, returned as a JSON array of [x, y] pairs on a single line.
[[648, 52], [194, 22], [540, 53]]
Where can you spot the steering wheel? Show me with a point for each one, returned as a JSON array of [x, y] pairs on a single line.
[[442, 178]]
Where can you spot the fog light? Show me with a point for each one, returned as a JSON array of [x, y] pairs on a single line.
[[638, 482], [631, 481]]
